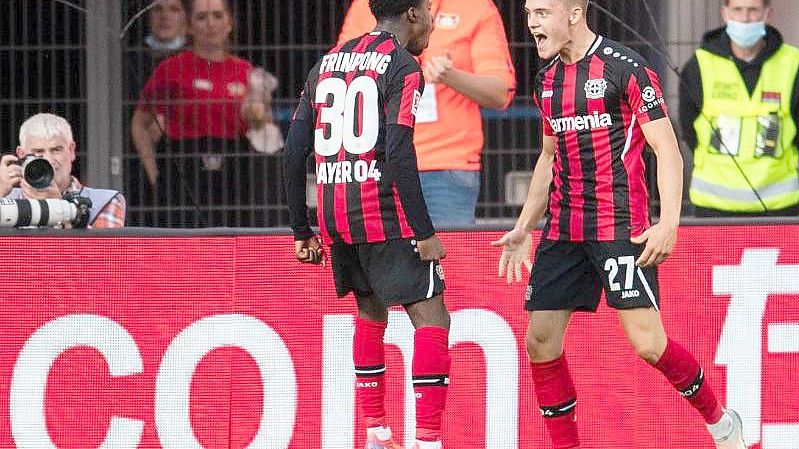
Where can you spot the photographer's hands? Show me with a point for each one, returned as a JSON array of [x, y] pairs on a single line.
[[10, 174], [51, 192]]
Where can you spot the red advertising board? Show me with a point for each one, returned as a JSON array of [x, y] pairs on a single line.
[[227, 342]]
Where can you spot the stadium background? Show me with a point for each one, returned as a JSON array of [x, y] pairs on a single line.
[[177, 336], [47, 46]]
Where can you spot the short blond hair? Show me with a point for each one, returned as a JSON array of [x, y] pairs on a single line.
[[581, 3], [45, 126], [766, 3]]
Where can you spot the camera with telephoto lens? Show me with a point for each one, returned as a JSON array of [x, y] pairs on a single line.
[[37, 171], [21, 213]]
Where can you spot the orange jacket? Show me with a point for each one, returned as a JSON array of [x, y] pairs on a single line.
[[473, 34]]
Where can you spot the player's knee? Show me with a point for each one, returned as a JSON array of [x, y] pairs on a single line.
[[649, 349], [541, 347], [445, 320], [371, 308], [429, 312]]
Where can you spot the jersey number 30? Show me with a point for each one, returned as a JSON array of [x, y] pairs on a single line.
[[340, 116]]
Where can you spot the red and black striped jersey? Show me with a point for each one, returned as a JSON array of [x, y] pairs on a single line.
[[594, 109], [354, 97]]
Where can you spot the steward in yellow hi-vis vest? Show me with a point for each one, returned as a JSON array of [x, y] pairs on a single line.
[[748, 110]]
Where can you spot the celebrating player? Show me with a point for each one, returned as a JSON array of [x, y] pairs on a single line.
[[601, 104], [359, 106]]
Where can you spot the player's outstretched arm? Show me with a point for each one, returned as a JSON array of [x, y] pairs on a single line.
[[660, 238], [517, 244]]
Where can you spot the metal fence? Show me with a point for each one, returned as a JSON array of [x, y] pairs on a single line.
[[71, 57], [42, 66]]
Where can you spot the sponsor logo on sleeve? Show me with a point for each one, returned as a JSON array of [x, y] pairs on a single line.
[[652, 100], [417, 96], [649, 94]]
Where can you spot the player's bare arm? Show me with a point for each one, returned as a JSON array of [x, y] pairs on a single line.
[[517, 243], [661, 237]]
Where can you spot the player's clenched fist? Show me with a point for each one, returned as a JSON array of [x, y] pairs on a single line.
[[310, 251]]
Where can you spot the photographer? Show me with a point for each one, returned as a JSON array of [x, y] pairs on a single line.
[[49, 137]]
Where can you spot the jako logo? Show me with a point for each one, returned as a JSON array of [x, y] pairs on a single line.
[[368, 384], [691, 391], [580, 123]]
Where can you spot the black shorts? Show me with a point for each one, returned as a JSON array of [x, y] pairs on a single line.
[[391, 270], [571, 275]]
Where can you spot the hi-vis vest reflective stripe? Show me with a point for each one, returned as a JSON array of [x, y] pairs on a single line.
[[758, 130]]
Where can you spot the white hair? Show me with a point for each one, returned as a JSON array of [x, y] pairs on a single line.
[[45, 126]]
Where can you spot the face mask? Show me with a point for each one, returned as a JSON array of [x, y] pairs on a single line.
[[746, 35], [174, 44]]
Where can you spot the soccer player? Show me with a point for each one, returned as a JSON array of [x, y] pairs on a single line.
[[601, 104], [357, 113]]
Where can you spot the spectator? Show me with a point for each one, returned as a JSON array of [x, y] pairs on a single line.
[[166, 22], [739, 105], [50, 137], [167, 36], [208, 104], [466, 66]]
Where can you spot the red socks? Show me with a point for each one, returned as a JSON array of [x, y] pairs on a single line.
[[430, 375], [557, 400], [430, 380], [684, 372], [370, 368]]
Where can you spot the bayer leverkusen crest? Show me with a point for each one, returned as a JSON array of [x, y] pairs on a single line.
[[595, 88]]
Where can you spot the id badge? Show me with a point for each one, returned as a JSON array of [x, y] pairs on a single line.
[[427, 111], [727, 137]]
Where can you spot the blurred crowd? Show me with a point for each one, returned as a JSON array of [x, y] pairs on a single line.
[[204, 134]]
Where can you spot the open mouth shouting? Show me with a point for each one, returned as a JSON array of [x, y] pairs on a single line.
[[541, 41]]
